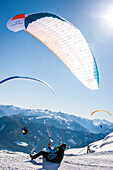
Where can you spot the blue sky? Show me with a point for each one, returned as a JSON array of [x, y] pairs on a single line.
[[22, 54]]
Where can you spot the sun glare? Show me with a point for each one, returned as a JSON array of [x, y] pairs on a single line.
[[108, 17]]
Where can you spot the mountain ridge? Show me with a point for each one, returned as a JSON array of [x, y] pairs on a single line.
[[92, 126]]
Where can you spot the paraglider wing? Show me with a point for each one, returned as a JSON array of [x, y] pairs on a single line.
[[99, 111], [65, 40], [28, 78]]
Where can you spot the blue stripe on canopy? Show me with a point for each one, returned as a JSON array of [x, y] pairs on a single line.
[[34, 17], [28, 78]]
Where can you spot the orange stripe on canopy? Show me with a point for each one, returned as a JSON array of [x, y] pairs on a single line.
[[20, 16]]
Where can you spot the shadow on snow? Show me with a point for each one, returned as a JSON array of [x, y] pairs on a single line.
[[46, 165]]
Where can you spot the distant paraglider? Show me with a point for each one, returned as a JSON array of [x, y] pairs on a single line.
[[99, 111], [64, 40], [26, 78]]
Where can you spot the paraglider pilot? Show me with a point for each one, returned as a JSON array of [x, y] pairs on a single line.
[[56, 155], [88, 149], [25, 131]]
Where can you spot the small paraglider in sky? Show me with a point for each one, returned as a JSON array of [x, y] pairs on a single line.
[[26, 78], [64, 40], [101, 111]]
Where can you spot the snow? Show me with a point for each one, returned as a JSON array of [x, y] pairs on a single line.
[[2, 127], [21, 161], [21, 143], [43, 117], [96, 123], [101, 158], [104, 145], [64, 118], [72, 141], [91, 161], [61, 118]]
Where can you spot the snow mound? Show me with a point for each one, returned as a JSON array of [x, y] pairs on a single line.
[[103, 145]]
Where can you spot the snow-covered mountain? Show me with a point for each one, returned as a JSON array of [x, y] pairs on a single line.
[[74, 131], [59, 119], [7, 110], [12, 138], [101, 158]]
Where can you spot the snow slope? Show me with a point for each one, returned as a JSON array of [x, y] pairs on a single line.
[[103, 145], [101, 158], [21, 161]]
